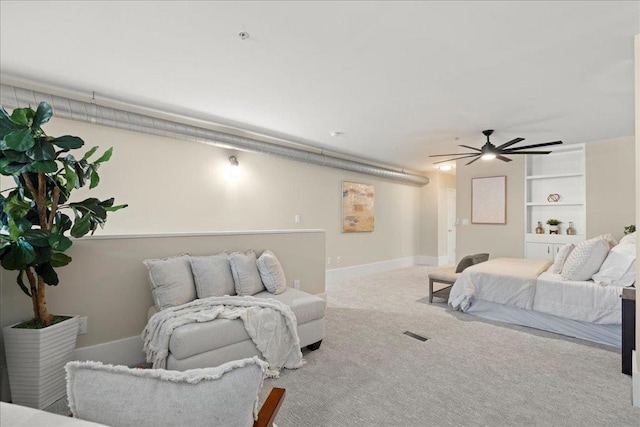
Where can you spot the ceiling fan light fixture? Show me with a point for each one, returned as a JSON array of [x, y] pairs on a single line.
[[488, 156]]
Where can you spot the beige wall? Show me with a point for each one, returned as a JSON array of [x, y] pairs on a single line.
[[498, 240], [177, 186], [610, 172], [610, 186]]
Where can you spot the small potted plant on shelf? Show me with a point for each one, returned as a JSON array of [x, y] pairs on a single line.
[[553, 226], [33, 242], [629, 229]]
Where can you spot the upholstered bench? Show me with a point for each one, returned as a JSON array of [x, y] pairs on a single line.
[[448, 275]]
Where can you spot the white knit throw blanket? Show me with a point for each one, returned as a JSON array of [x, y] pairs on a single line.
[[270, 324]]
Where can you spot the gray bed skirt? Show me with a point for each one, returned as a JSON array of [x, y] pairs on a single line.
[[603, 334]]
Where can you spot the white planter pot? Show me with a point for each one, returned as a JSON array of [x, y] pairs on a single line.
[[36, 359]]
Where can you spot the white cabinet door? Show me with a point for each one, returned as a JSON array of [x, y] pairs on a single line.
[[540, 250]]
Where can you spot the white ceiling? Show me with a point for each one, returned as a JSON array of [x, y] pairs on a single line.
[[402, 79]]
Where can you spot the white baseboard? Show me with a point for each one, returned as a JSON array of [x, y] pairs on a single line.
[[432, 260], [339, 274], [127, 351]]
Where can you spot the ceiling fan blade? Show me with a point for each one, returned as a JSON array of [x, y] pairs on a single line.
[[510, 143], [458, 158], [452, 154], [474, 160], [527, 152], [534, 146], [473, 148], [503, 158]]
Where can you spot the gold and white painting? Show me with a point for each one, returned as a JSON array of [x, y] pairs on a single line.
[[357, 207]]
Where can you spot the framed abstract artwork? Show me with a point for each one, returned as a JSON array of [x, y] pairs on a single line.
[[357, 207], [489, 200]]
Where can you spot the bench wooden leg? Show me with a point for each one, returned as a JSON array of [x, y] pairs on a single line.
[[430, 291]]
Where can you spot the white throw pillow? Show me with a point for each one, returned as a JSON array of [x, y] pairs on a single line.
[[213, 275], [628, 238], [561, 258], [226, 395], [619, 268], [585, 260], [271, 273], [171, 281], [245, 273], [608, 237]]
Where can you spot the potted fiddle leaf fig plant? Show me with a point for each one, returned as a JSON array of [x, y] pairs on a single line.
[[34, 236]]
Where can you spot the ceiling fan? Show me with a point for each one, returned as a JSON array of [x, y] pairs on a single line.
[[490, 151]]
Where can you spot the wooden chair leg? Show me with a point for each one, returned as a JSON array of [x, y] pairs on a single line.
[[270, 408]]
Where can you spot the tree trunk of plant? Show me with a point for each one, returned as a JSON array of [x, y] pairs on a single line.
[[37, 287]]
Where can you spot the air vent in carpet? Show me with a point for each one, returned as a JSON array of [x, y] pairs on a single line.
[[416, 336]]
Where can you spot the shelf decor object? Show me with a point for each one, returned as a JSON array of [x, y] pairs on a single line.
[[539, 228], [489, 200], [553, 198], [571, 231]]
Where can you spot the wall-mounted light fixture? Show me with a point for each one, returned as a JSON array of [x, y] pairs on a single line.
[[233, 170]]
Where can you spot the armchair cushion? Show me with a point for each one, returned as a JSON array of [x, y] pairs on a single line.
[[226, 395]]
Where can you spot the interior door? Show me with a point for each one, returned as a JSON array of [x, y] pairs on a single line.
[[451, 225]]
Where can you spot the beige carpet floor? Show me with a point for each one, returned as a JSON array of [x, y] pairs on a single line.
[[470, 372]]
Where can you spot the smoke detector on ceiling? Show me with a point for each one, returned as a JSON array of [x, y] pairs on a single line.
[[243, 35], [336, 133]]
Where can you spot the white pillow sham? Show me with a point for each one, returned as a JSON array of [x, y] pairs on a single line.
[[213, 275], [585, 260], [245, 273], [619, 269], [561, 258], [628, 238], [171, 281], [271, 273]]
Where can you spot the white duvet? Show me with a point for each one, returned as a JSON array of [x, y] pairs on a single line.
[[524, 283]]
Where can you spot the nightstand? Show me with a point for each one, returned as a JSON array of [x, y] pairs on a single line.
[[628, 328]]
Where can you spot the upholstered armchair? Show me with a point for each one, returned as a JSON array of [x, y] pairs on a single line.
[[226, 395]]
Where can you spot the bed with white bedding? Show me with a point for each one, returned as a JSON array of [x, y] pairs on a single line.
[[523, 292]]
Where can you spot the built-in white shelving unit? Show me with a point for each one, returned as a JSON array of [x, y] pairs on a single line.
[[562, 172]]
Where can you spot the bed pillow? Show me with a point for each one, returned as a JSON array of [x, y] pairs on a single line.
[[470, 260], [561, 258], [585, 260], [608, 237], [619, 268], [245, 273], [171, 281], [271, 273], [212, 275], [628, 238]]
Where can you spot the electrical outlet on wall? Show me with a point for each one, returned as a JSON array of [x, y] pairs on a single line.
[[296, 284], [297, 219], [338, 259], [328, 260], [82, 327]]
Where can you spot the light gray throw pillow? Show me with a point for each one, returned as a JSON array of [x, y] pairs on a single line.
[[585, 260], [212, 275], [561, 258], [271, 273], [226, 395], [171, 281], [245, 273]]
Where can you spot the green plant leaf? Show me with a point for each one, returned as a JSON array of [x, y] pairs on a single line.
[[90, 153], [95, 179], [16, 207], [70, 177], [17, 227], [62, 223], [23, 116], [48, 166], [17, 168], [105, 156], [48, 273], [81, 226], [18, 256], [16, 156], [37, 237], [115, 208], [4, 162], [67, 142], [59, 242], [42, 116], [19, 140], [20, 282], [42, 150], [7, 126], [58, 259]]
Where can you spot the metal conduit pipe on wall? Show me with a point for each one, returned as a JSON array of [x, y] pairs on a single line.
[[14, 97]]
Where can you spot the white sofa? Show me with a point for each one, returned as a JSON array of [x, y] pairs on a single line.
[[205, 344]]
